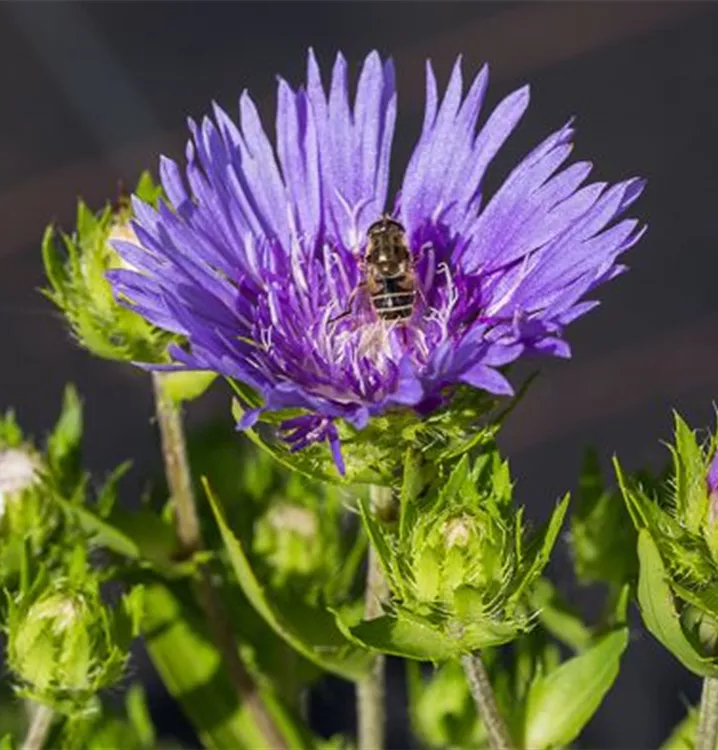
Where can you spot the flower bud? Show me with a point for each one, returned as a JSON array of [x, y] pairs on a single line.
[[303, 544], [459, 562], [65, 644], [702, 627], [76, 266], [449, 553], [287, 536], [678, 550], [25, 510], [18, 472]]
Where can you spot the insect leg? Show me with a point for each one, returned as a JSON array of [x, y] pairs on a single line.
[[350, 302]]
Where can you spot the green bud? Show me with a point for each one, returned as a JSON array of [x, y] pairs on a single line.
[[458, 554], [18, 473], [302, 543], [702, 628], [65, 644], [30, 480], [677, 520], [287, 537], [25, 510], [460, 562], [76, 265]]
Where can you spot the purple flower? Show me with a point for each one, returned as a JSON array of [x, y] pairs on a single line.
[[258, 259]]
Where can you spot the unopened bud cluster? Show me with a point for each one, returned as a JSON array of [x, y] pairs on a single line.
[[460, 562], [302, 542], [679, 523], [76, 266], [25, 512], [65, 644]]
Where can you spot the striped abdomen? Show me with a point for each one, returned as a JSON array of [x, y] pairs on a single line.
[[393, 297]]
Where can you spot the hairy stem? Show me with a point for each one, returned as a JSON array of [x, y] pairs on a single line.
[[371, 690], [40, 723], [179, 481], [707, 733], [499, 738]]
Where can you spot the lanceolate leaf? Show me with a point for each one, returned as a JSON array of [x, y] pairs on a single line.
[[560, 704], [407, 637], [558, 618], [313, 632], [688, 461], [139, 535], [411, 488], [414, 637], [193, 672], [540, 548], [376, 537]]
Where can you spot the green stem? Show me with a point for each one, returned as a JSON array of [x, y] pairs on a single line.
[[371, 689], [40, 723], [707, 732], [499, 738], [179, 481]]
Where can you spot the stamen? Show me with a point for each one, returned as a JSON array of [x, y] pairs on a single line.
[[430, 265]]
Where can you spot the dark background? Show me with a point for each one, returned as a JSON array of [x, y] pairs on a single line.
[[90, 93]]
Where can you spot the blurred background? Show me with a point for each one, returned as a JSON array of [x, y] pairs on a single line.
[[92, 93]]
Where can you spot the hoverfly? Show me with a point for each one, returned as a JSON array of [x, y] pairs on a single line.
[[388, 272]]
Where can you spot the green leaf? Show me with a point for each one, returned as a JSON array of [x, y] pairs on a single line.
[[658, 609], [414, 481], [6, 743], [407, 636], [442, 711], [683, 735], [139, 715], [187, 385], [147, 190], [193, 670], [376, 538], [375, 454], [458, 478], [540, 547], [561, 703], [637, 504], [10, 432], [136, 534], [689, 466], [311, 631], [310, 462], [602, 538], [64, 442], [558, 618], [54, 263]]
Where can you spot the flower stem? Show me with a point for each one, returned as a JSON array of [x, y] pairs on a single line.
[[179, 481], [371, 689], [499, 738], [707, 732], [40, 723]]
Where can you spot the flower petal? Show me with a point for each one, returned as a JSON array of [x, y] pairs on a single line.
[[354, 146]]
